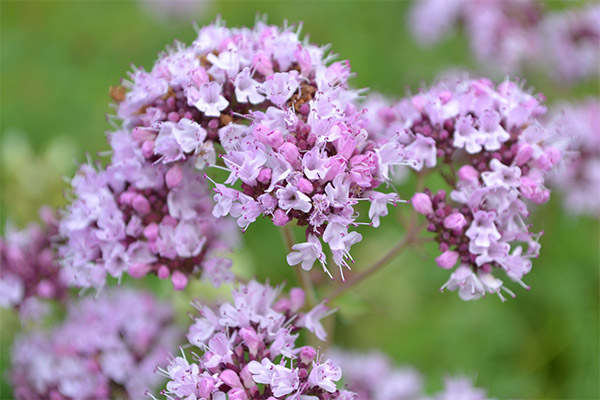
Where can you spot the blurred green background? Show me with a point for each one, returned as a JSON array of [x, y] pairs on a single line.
[[58, 60]]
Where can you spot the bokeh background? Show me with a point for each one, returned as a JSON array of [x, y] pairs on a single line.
[[58, 60]]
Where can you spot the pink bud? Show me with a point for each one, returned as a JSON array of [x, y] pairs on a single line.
[[231, 378], [280, 218], [422, 204], [336, 165], [447, 259], [174, 176], [141, 134], [468, 173], [148, 148], [249, 337], [263, 64], [199, 76], [237, 394], [169, 221], [523, 154], [297, 298], [247, 378], [46, 289], [205, 387], [163, 272], [290, 153], [274, 139], [305, 186], [264, 176], [139, 270], [140, 204], [126, 198], [179, 280], [151, 231], [307, 354], [455, 221]]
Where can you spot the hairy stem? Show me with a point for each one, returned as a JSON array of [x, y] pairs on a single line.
[[303, 277]]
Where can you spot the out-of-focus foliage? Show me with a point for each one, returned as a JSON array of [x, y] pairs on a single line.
[[58, 61]]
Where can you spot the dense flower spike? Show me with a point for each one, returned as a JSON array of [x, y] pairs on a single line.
[[29, 269], [247, 350], [106, 348], [494, 154], [507, 34], [137, 217], [373, 377], [579, 178]]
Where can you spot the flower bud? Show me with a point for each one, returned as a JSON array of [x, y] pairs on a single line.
[[151, 231], [280, 218], [307, 354], [139, 270], [179, 280], [468, 173], [231, 378], [305, 186], [422, 204], [290, 153], [237, 394], [447, 259], [455, 221], [140, 204], [250, 338], [174, 176]]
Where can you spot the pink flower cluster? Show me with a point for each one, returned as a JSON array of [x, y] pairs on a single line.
[[489, 145], [29, 268], [508, 34], [373, 377], [287, 122], [106, 348], [248, 351], [128, 219], [579, 178]]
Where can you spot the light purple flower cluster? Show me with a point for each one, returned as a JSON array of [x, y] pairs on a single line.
[[572, 43], [29, 269], [502, 33], [285, 118], [248, 351], [373, 377], [127, 218], [106, 348], [579, 178], [494, 154], [508, 34]]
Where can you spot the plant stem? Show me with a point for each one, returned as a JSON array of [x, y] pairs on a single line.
[[303, 277], [408, 239]]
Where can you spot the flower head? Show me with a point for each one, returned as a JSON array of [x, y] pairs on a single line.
[[247, 350], [494, 153], [104, 347], [284, 115], [129, 218], [30, 271], [578, 179]]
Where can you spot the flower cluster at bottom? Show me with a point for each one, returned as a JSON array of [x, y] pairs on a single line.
[[373, 377], [249, 351], [106, 348]]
